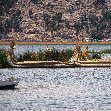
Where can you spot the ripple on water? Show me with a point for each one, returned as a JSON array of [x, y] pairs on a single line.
[[45, 89]]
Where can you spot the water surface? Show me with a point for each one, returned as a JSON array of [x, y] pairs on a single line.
[[55, 89]]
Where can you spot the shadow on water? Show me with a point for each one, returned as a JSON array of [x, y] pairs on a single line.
[[6, 89]]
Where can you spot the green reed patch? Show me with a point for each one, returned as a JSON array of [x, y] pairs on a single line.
[[53, 55], [3, 59], [105, 51], [46, 55]]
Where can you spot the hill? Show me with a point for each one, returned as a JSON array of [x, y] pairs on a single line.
[[55, 20]]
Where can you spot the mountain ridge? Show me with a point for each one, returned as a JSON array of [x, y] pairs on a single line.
[[57, 20]]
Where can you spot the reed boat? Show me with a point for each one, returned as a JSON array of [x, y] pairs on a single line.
[[40, 64], [34, 64], [93, 63]]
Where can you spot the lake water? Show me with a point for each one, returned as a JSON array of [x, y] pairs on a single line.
[[57, 89], [24, 48], [48, 89]]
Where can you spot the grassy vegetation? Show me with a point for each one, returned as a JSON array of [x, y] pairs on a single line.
[[99, 54], [47, 55], [3, 59], [105, 51], [95, 55], [53, 55]]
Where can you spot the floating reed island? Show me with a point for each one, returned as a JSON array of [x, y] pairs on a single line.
[[54, 58]]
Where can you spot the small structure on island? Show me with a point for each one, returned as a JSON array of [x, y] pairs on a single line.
[[85, 53], [11, 48], [10, 55], [78, 54]]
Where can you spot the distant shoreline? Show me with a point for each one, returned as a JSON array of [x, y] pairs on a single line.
[[57, 43]]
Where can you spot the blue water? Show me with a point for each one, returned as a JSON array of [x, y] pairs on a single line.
[[23, 48], [51, 89]]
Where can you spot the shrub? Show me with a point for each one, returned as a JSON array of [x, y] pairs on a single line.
[[3, 59], [95, 55], [47, 55]]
